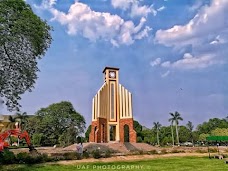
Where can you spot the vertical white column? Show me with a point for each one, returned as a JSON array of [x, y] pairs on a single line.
[[98, 104], [130, 105], [120, 97], [123, 93], [126, 99], [95, 106], [93, 113]]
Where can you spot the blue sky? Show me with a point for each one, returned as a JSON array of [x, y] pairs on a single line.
[[172, 56]]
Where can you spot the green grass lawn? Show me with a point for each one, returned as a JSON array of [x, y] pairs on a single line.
[[161, 164]]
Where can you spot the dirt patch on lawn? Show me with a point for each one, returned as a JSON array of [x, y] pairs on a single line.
[[127, 158]]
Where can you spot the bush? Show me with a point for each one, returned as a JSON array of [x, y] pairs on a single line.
[[201, 151], [85, 154], [213, 150], [71, 156], [22, 157], [7, 157], [177, 151], [96, 154], [163, 151], [107, 154], [153, 152]]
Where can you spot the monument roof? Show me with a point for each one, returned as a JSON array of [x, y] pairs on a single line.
[[113, 68]]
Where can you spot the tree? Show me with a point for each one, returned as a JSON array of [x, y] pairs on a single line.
[[157, 127], [171, 125], [59, 123], [24, 38], [87, 133], [23, 119], [190, 127], [138, 129], [207, 127], [175, 117]]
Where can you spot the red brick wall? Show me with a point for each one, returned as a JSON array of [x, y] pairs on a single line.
[[98, 136], [132, 133]]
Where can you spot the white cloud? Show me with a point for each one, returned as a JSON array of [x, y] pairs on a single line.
[[218, 40], [165, 74], [46, 4], [161, 8], [81, 19], [156, 62], [209, 20], [192, 62], [196, 6], [122, 4], [135, 8], [209, 27]]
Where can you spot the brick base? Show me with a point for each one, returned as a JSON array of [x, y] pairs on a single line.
[[132, 134], [98, 132]]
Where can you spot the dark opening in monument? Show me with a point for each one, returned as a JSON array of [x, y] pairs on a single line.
[[112, 132], [126, 133], [103, 133], [95, 137]]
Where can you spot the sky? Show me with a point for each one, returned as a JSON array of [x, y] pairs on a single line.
[[172, 56]]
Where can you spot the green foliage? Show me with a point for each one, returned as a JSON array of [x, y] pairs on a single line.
[[175, 118], [71, 156], [36, 139], [202, 137], [164, 151], [7, 157], [201, 151], [24, 38], [220, 132], [212, 124], [96, 154], [107, 154], [59, 123], [85, 154], [153, 152], [139, 139], [87, 133]]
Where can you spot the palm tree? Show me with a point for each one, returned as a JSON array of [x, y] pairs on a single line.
[[23, 119], [157, 127], [190, 127], [171, 125], [175, 117]]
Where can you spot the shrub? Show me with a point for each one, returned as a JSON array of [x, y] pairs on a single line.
[[153, 152], [22, 157], [96, 154], [201, 151], [7, 157], [70, 155], [85, 154], [163, 151], [213, 150], [177, 151], [107, 154]]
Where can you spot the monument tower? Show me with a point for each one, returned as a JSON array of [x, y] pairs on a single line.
[[112, 118]]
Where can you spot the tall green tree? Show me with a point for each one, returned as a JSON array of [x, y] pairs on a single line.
[[175, 117], [211, 124], [24, 38], [157, 127], [59, 123], [190, 127]]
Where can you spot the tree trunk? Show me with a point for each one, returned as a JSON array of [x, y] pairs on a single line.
[[158, 139], [172, 134], [178, 143]]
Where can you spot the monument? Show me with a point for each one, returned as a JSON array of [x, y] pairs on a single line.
[[112, 117]]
